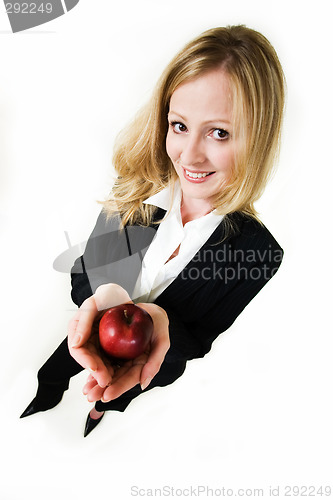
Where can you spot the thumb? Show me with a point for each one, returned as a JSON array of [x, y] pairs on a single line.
[[79, 328], [148, 372]]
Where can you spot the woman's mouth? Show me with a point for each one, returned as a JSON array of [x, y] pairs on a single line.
[[196, 176]]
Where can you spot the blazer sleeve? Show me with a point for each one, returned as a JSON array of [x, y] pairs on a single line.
[[223, 314], [111, 256], [199, 318], [193, 339], [183, 344], [92, 260], [81, 288]]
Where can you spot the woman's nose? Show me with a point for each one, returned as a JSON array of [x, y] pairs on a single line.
[[192, 152]]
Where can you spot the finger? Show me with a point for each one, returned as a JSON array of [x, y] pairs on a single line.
[[79, 328], [86, 358], [95, 393], [123, 384], [90, 360], [159, 345], [90, 384], [110, 295], [159, 348]]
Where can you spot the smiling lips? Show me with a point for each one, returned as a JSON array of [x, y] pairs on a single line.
[[196, 176]]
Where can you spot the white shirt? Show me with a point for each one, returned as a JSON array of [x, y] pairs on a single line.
[[157, 272]]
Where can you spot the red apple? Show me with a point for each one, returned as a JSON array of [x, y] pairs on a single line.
[[125, 331]]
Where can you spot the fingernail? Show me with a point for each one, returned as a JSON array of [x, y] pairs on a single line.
[[91, 370], [104, 386], [76, 340], [146, 383]]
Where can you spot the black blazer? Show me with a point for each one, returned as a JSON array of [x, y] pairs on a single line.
[[206, 297]]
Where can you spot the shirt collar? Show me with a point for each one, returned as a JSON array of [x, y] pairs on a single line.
[[163, 199]]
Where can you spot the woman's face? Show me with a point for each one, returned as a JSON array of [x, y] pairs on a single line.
[[199, 140]]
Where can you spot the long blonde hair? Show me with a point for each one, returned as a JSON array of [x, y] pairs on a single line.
[[257, 84]]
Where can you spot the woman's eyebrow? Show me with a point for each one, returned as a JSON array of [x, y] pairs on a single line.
[[214, 120], [171, 112]]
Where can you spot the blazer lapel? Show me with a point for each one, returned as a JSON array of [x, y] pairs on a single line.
[[199, 272]]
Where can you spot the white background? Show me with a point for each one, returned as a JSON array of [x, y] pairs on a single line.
[[254, 413]]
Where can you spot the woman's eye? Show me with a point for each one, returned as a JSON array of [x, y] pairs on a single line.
[[178, 127], [220, 134]]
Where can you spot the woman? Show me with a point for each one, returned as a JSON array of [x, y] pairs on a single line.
[[179, 234]]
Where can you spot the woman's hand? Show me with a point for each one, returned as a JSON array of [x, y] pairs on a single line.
[[83, 341], [140, 370]]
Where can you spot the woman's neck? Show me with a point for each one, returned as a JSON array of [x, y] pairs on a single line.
[[192, 209]]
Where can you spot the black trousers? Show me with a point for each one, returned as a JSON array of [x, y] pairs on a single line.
[[55, 374]]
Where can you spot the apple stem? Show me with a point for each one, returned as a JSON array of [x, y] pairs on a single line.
[[128, 318]]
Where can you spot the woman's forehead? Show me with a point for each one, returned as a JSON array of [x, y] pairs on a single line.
[[209, 94]]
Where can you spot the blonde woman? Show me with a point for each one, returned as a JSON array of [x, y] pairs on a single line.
[[179, 234]]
